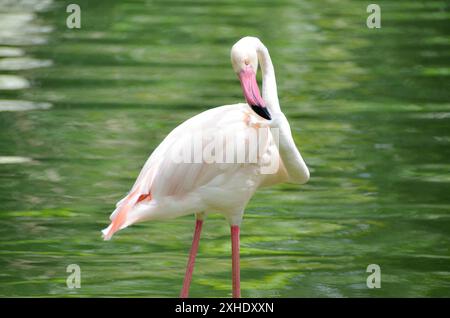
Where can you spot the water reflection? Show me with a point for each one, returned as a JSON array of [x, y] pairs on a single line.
[[14, 160], [20, 105], [20, 27], [13, 82]]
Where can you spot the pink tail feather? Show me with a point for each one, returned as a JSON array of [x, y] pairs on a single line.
[[119, 221]]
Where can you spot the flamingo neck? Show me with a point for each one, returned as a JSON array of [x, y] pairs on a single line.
[[269, 85]]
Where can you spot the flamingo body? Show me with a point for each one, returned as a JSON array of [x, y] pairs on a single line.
[[178, 189]]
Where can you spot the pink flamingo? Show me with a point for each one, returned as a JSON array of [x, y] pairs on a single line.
[[167, 188]]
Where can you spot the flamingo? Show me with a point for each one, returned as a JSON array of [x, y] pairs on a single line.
[[167, 188]]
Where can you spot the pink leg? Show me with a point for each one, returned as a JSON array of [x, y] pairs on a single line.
[[191, 261], [235, 261]]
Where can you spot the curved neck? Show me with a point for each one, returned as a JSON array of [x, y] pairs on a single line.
[[269, 85]]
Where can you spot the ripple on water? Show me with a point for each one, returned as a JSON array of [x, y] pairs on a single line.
[[22, 105], [12, 82], [427, 172], [14, 160], [22, 63], [11, 52]]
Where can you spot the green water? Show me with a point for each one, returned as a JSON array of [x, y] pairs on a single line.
[[369, 109]]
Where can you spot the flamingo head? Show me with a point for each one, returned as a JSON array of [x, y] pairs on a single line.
[[244, 59]]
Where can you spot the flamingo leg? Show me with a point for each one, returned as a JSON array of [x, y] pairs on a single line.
[[235, 261], [191, 260]]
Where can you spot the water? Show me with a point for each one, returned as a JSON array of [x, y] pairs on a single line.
[[80, 111]]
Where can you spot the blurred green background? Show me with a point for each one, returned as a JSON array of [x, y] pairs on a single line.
[[81, 109]]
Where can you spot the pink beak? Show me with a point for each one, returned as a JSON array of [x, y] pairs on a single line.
[[251, 92]]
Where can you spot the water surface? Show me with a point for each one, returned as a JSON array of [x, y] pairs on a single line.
[[80, 111]]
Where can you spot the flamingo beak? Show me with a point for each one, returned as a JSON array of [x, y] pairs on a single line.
[[251, 92]]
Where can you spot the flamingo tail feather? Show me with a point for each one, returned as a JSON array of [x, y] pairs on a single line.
[[119, 221]]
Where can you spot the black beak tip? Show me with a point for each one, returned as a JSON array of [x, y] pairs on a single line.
[[261, 111]]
